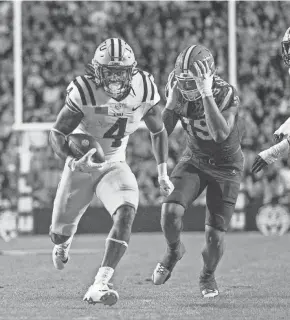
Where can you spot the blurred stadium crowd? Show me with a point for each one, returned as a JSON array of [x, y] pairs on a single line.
[[59, 39]]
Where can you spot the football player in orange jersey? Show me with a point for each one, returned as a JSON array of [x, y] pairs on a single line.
[[207, 107], [109, 105], [282, 134]]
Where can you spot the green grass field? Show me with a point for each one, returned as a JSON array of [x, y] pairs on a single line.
[[253, 279]]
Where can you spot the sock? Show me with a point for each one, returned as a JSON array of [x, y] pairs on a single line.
[[205, 271], [104, 274]]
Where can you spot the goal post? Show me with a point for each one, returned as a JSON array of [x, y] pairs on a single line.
[[17, 56], [232, 43]]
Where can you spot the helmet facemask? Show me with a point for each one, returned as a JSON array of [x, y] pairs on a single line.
[[186, 84], [115, 79], [286, 52]]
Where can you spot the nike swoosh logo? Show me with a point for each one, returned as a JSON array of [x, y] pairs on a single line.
[[134, 109]]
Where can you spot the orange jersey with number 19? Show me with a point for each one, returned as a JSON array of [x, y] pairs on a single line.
[[108, 120]]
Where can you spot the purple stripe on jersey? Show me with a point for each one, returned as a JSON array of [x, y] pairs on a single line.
[[93, 100]]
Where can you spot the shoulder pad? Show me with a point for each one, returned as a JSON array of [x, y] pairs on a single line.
[[149, 91], [81, 91], [225, 94]]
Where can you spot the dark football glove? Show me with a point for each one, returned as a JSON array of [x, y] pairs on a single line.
[[259, 164]]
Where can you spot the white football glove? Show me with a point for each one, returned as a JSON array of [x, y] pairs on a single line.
[[283, 131], [204, 78], [166, 186], [85, 163]]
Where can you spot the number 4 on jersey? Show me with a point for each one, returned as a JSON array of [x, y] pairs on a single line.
[[120, 127]]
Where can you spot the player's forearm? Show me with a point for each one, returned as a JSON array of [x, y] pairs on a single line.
[[169, 119], [160, 146], [217, 125], [59, 145], [285, 126], [276, 152]]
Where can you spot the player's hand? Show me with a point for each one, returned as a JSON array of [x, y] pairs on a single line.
[[203, 78], [86, 164], [172, 92], [166, 186], [259, 164]]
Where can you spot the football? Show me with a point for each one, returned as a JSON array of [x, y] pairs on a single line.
[[80, 144]]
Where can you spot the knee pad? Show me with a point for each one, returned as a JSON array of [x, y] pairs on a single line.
[[58, 238], [125, 213]]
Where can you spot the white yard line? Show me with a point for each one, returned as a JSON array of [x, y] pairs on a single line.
[[43, 252]]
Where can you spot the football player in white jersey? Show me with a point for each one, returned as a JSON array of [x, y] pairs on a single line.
[[282, 134], [109, 105]]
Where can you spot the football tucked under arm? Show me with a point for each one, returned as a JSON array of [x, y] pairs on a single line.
[[67, 120]]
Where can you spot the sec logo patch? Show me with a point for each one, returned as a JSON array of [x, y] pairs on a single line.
[[85, 143]]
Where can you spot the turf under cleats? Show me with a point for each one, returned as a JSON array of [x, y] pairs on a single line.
[[101, 293], [60, 255], [163, 270], [208, 286]]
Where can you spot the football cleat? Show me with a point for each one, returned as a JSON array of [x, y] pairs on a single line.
[[101, 293], [208, 286], [60, 256], [163, 270]]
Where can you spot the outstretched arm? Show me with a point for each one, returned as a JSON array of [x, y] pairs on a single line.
[[271, 155], [283, 131]]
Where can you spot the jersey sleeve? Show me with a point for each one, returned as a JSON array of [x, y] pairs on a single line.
[[228, 98], [150, 94], [74, 97]]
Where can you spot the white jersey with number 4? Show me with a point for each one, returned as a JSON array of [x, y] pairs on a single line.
[[108, 120]]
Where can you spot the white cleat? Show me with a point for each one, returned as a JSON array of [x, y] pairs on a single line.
[[160, 274], [210, 293], [101, 293], [60, 255]]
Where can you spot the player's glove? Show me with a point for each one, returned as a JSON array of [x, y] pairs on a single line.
[[166, 186], [270, 155], [85, 163], [204, 78], [283, 131]]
